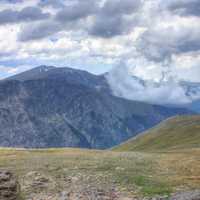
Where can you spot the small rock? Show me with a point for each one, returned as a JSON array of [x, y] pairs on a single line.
[[119, 169]]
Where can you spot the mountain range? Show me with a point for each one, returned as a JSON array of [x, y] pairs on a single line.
[[64, 107]]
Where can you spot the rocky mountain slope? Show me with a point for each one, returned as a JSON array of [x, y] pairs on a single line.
[[63, 107], [73, 76], [181, 132]]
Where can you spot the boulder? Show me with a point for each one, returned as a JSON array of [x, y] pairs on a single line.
[[9, 186]]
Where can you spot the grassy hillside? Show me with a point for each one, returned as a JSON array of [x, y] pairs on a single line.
[[46, 174], [180, 132]]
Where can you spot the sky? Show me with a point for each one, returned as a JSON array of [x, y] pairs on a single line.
[[152, 39]]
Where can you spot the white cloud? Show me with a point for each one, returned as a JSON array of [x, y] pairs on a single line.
[[187, 66], [8, 35], [170, 91], [156, 40], [7, 71]]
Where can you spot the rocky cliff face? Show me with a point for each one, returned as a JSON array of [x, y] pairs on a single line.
[[57, 111]]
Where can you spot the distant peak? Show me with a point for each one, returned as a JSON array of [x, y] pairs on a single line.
[[34, 73]]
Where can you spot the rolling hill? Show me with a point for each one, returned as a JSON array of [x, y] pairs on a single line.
[[63, 107], [182, 132]]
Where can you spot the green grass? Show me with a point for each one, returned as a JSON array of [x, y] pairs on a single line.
[[149, 186], [177, 133], [157, 190], [152, 188]]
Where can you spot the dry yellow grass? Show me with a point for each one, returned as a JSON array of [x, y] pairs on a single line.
[[182, 168], [147, 173], [176, 133]]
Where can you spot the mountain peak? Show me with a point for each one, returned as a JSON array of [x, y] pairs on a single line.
[[34, 73], [44, 68], [45, 71], [70, 75]]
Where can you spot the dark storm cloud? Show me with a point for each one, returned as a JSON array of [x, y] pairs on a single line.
[[184, 7], [77, 11], [107, 27], [66, 18], [39, 31], [118, 7], [161, 44], [26, 14], [111, 19], [32, 13], [160, 41]]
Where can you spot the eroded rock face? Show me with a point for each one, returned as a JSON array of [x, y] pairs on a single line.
[[9, 187]]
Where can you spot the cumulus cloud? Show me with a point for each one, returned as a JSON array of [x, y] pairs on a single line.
[[186, 66], [117, 7], [77, 11], [112, 18], [66, 19], [159, 43], [108, 27], [39, 30], [164, 92], [107, 20]]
